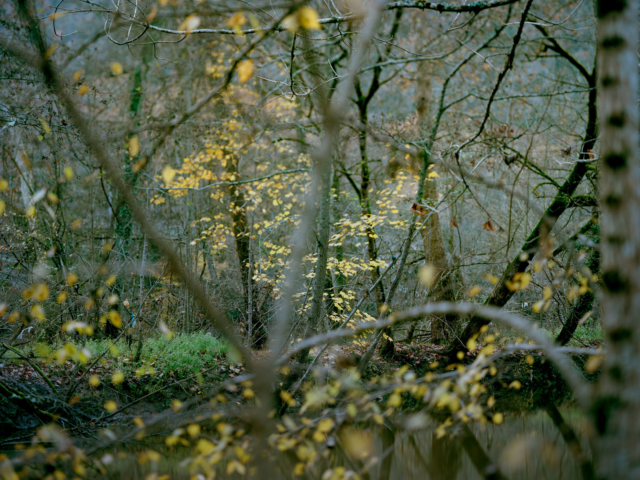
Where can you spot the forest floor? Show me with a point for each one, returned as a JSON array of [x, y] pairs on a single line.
[[194, 365]]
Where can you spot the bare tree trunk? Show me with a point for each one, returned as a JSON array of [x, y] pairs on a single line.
[[435, 254], [320, 280], [239, 218], [617, 407], [26, 180]]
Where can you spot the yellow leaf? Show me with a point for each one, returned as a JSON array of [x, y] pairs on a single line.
[[245, 70], [110, 406], [176, 406], [248, 393], [395, 400], [45, 126], [62, 297], [37, 312], [3, 184], [471, 344], [152, 14], [291, 23], [515, 384], [490, 278], [433, 175], [236, 20], [2, 206], [77, 75], [427, 275], [487, 350], [31, 211], [114, 318], [50, 51], [83, 89], [168, 174], [117, 377], [193, 429], [139, 164], [94, 381], [473, 291], [325, 425], [41, 292], [205, 446], [529, 359], [497, 418], [308, 18], [593, 363], [116, 68], [134, 146], [190, 23]]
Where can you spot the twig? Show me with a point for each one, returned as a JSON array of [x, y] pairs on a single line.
[[35, 367]]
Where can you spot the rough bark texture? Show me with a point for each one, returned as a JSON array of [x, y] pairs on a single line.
[[435, 254], [617, 408]]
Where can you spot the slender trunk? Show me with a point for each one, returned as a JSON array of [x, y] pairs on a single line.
[[583, 305], [26, 181], [136, 357], [210, 266], [365, 206], [617, 407], [124, 225], [239, 218], [435, 254], [322, 235]]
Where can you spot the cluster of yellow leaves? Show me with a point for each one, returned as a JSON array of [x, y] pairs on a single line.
[[305, 17]]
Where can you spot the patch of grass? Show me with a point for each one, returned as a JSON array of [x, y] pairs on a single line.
[[180, 356], [587, 334], [184, 354]]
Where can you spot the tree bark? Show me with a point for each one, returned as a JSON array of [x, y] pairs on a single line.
[[239, 220], [617, 407], [583, 305]]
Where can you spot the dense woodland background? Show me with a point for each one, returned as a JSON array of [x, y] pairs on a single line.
[[384, 175]]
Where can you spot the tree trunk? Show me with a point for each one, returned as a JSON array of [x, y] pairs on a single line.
[[239, 218], [435, 254], [583, 305], [323, 235], [617, 407]]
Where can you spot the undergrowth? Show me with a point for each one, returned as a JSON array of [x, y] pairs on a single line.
[[180, 356]]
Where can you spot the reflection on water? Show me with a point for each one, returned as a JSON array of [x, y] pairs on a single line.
[[547, 444]]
